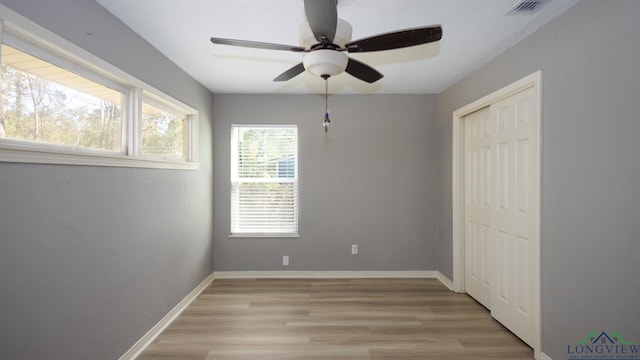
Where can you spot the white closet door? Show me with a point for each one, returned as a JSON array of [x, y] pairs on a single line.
[[501, 182], [479, 246], [515, 215]]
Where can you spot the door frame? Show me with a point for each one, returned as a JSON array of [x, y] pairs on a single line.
[[534, 80]]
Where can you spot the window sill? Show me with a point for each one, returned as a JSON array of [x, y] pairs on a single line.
[[257, 236], [15, 152]]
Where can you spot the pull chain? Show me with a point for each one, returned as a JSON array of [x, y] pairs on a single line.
[[327, 121]]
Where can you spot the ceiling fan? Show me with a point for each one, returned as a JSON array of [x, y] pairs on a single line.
[[326, 39]]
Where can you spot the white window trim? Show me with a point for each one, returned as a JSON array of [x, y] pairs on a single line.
[[273, 235], [83, 62]]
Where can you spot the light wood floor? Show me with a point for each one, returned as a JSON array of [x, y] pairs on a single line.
[[334, 319]]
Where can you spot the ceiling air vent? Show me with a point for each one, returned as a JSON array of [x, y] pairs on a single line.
[[526, 7]]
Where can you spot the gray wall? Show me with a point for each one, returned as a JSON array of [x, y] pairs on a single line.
[[91, 258], [590, 166], [371, 181]]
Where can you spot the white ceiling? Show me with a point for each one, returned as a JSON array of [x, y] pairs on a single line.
[[474, 32]]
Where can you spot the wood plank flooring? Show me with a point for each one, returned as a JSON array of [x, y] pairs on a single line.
[[331, 319]]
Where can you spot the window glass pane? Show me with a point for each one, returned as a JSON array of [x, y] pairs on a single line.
[[264, 189], [266, 152], [162, 133], [44, 103]]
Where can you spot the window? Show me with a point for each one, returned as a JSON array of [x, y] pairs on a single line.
[[59, 104], [47, 104], [162, 131], [264, 180]]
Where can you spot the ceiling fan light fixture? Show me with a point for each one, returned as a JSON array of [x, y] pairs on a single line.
[[325, 62]]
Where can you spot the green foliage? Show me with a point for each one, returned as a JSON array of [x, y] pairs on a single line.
[[39, 110], [262, 149], [162, 134]]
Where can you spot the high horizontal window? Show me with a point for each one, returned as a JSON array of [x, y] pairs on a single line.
[[163, 131], [45, 103], [264, 180], [62, 105]]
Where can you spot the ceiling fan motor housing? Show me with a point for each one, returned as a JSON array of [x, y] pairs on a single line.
[[342, 36]]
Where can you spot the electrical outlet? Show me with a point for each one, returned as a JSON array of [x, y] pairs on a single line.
[[354, 249], [285, 260]]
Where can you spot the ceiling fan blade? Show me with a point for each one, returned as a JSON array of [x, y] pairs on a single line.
[[397, 39], [291, 73], [257, 44], [362, 71], [322, 16]]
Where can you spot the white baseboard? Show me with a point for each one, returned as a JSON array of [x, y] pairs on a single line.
[[444, 280], [323, 274], [544, 356], [148, 338]]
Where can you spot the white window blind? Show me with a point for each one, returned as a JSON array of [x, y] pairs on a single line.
[[264, 180]]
